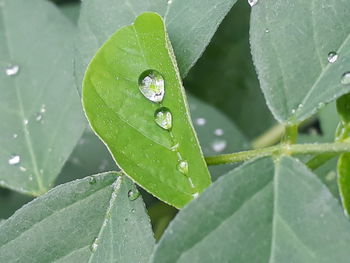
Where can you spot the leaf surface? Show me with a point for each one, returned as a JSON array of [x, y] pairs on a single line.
[[62, 225], [189, 29], [40, 114], [292, 50], [125, 120], [260, 213]]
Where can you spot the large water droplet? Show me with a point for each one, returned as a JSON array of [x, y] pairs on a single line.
[[13, 70], [252, 2], [219, 145], [345, 80], [151, 85], [201, 121], [163, 118], [182, 166], [14, 159], [133, 194], [332, 57]]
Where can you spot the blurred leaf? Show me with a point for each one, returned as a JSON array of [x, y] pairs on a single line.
[[71, 10], [10, 201], [62, 225], [40, 117], [264, 215], [188, 25], [225, 77], [292, 50], [125, 120]]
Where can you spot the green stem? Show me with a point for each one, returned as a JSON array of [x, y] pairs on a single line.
[[291, 134], [282, 149]]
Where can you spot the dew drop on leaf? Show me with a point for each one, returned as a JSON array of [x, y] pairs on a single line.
[[151, 85], [332, 57], [94, 245], [12, 70], [219, 132], [38, 117], [345, 80], [25, 122], [252, 2], [195, 195], [15, 135], [14, 159], [133, 194], [163, 118], [182, 166], [201, 121], [219, 145]]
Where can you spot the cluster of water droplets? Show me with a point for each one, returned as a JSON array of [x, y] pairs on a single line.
[[152, 86]]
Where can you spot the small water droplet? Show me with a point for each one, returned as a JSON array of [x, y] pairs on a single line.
[[219, 145], [23, 169], [345, 80], [163, 118], [267, 30], [12, 70], [252, 2], [151, 85], [38, 117], [332, 57], [219, 132], [133, 194], [43, 108], [14, 159], [92, 180], [195, 195], [133, 210], [170, 2], [25, 121], [94, 245], [182, 166], [201, 121], [15, 135]]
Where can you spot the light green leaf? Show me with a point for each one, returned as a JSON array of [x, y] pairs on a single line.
[[62, 225], [188, 25], [258, 213], [225, 77], [292, 43], [40, 114], [125, 120]]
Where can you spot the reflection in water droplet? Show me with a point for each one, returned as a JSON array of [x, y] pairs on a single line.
[[151, 85], [13, 70], [252, 2], [332, 57], [219, 145], [182, 166], [25, 122], [133, 194], [219, 132], [14, 159], [92, 180], [170, 2], [345, 80], [201, 121], [94, 245], [163, 118]]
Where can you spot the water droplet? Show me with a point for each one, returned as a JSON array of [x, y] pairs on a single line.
[[267, 30], [332, 57], [133, 210], [14, 159], [201, 121], [94, 245], [345, 80], [163, 118], [175, 147], [92, 180], [25, 121], [15, 135], [12, 70], [170, 2], [195, 195], [219, 132], [252, 2], [23, 169], [151, 85], [219, 145], [38, 117], [133, 194], [43, 108], [182, 166]]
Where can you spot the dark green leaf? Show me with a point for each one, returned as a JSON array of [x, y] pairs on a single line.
[[301, 50], [62, 225], [40, 116], [344, 180], [260, 214]]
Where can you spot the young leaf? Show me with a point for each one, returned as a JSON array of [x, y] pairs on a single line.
[[301, 57], [40, 116], [189, 28], [265, 214], [122, 90], [88, 220]]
